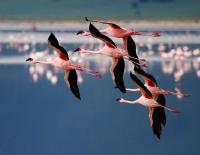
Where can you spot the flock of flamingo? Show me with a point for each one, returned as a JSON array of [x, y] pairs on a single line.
[[152, 96]]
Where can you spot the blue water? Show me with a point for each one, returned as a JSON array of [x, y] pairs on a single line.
[[38, 118]]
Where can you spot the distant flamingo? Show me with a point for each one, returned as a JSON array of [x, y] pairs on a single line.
[[63, 62], [117, 31]]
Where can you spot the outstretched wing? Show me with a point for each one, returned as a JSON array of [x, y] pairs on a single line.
[[61, 52], [148, 78], [119, 73], [97, 34], [115, 26], [70, 78], [131, 48], [159, 116], [144, 91]]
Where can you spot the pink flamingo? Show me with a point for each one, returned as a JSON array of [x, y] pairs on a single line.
[[63, 62], [156, 105], [110, 49], [146, 99], [117, 31]]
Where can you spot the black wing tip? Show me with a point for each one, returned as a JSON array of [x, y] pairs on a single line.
[[79, 97], [157, 131], [157, 135], [53, 40], [76, 94], [123, 90]]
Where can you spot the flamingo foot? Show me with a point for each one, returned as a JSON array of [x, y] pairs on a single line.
[[175, 111]]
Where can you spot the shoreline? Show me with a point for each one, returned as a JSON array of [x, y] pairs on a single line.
[[77, 24]]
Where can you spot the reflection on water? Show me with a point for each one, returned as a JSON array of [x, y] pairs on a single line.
[[177, 62]]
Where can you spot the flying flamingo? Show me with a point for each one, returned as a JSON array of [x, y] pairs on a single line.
[[63, 62], [117, 31], [146, 99], [156, 114], [110, 49]]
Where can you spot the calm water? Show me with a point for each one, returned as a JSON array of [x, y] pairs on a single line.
[[40, 118]]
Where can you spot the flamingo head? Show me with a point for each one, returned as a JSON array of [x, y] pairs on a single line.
[[80, 32], [119, 99], [77, 50]]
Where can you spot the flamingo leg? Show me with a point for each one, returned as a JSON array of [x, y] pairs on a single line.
[[87, 70], [169, 109], [150, 115], [173, 93]]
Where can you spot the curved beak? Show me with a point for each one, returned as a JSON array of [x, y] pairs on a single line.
[[29, 59], [78, 49], [80, 32]]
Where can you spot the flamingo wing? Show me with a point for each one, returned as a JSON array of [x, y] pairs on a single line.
[[148, 78], [97, 34], [115, 26], [61, 52], [70, 78], [118, 74], [130, 46], [159, 116], [144, 91]]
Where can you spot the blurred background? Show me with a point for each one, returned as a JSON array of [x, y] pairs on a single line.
[[39, 114], [117, 9]]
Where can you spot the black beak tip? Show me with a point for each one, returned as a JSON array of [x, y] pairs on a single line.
[[78, 49], [29, 59], [79, 32], [118, 99]]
